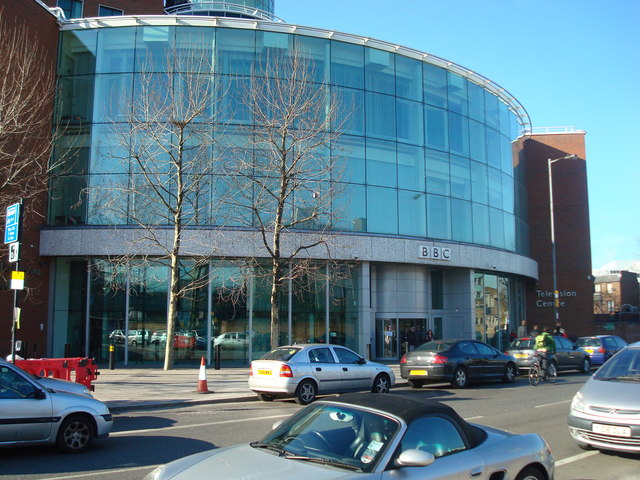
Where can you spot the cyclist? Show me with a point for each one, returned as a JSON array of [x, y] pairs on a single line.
[[545, 348]]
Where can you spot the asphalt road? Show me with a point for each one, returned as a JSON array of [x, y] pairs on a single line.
[[144, 439]]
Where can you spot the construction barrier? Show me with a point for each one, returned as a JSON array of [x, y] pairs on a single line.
[[79, 369]]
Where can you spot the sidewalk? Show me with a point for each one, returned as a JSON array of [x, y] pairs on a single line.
[[127, 388]]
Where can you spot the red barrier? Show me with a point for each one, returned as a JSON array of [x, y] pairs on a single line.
[[85, 369]]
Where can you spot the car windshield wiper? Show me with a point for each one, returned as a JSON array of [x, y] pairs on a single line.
[[269, 446], [629, 376], [324, 461]]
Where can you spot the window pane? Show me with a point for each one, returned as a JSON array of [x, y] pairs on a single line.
[[381, 163], [379, 71], [154, 49], [410, 128], [492, 111], [315, 52], [437, 172], [347, 65], [509, 232], [508, 195], [381, 116], [493, 148], [435, 85], [506, 155], [412, 213], [349, 210], [115, 49], [382, 210], [438, 217], [235, 51], [495, 188], [112, 99], [461, 221], [479, 183], [437, 128], [411, 168], [476, 102], [460, 177], [457, 90], [458, 134], [481, 224], [350, 110], [349, 155], [78, 53], [496, 226], [408, 78]]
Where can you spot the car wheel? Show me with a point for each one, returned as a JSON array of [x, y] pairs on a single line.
[[460, 378], [306, 392], [509, 375], [415, 383], [381, 384], [531, 473], [134, 343], [264, 397], [76, 434], [586, 365]]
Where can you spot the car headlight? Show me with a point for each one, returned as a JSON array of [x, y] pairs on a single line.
[[577, 403], [171, 469]]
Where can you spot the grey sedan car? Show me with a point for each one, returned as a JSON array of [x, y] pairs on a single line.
[[304, 371], [605, 413], [363, 436], [568, 355], [32, 414]]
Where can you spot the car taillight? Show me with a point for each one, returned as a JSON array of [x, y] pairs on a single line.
[[439, 359], [601, 350], [285, 371], [251, 369], [403, 359]]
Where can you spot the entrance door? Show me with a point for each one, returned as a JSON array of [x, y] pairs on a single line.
[[412, 333], [387, 339]]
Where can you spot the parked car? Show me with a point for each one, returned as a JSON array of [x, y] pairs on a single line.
[[362, 436], [65, 419], [304, 371], [457, 362], [117, 336], [159, 337], [232, 340], [139, 337], [605, 413], [601, 347], [568, 355]]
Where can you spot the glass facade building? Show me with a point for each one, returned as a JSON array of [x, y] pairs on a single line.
[[433, 205]]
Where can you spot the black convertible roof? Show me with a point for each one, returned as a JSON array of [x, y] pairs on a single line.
[[408, 408]]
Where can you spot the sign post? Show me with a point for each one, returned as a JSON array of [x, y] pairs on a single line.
[[12, 230]]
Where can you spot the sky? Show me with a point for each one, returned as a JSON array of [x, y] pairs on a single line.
[[570, 63]]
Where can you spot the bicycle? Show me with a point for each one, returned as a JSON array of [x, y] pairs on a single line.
[[536, 374]]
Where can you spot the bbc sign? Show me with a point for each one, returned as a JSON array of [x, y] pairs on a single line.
[[435, 253]]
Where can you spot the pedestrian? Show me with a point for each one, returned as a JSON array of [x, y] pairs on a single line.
[[429, 336], [558, 331], [522, 329], [535, 332]]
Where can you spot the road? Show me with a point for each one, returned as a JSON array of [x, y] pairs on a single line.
[[143, 439]]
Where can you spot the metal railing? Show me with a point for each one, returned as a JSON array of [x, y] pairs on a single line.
[[203, 8]]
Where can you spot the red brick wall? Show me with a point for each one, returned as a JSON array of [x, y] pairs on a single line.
[[129, 7], [34, 301], [572, 232]]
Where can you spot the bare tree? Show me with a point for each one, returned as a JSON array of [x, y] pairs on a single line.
[[162, 142], [285, 180]]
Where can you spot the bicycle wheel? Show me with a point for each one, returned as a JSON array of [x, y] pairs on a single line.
[[534, 375], [552, 374]]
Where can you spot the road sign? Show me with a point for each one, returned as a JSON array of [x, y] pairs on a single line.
[[14, 252], [12, 223], [17, 280]]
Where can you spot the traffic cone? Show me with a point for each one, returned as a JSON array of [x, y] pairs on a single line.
[[202, 379]]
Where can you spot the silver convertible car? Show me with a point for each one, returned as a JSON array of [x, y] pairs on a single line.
[[304, 371], [360, 436], [31, 413]]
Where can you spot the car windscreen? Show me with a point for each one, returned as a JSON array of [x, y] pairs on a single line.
[[437, 346], [281, 354], [522, 343], [624, 366], [588, 342]]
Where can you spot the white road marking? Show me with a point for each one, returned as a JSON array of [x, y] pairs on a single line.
[[575, 458], [552, 404], [208, 424], [102, 472]]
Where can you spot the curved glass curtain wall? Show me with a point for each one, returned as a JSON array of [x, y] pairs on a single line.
[[426, 153]]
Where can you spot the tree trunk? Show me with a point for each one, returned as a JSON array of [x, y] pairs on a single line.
[[275, 307]]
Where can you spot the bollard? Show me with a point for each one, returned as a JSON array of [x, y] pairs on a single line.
[[217, 349], [112, 349]]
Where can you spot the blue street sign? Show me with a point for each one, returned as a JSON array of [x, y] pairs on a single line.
[[12, 223]]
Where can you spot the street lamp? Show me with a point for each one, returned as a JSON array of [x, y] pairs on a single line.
[[556, 296]]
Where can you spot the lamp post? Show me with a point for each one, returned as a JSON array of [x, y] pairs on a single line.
[[556, 295]]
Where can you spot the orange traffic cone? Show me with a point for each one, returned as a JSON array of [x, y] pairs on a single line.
[[202, 379]]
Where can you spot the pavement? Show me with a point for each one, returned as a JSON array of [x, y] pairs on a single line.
[[131, 388]]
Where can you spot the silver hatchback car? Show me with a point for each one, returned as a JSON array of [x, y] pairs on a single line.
[[605, 413], [304, 371], [33, 414]]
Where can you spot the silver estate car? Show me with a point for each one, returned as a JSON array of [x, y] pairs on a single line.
[[605, 413], [359, 436], [304, 371], [33, 414]]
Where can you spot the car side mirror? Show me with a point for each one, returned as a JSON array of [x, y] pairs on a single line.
[[39, 394], [362, 361], [414, 458]]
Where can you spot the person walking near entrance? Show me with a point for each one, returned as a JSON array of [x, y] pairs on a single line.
[[522, 329]]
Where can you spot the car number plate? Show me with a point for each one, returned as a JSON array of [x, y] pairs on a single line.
[[612, 430], [520, 355], [417, 372], [264, 372]]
